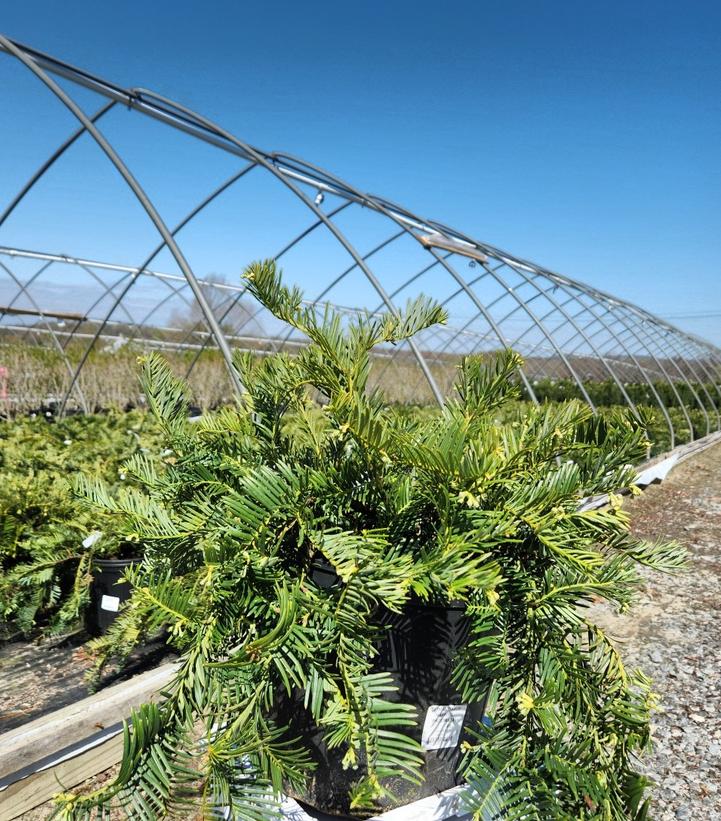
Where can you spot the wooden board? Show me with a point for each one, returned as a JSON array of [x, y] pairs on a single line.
[[26, 745], [40, 787]]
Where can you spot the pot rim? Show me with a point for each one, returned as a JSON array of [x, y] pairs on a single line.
[[115, 564]]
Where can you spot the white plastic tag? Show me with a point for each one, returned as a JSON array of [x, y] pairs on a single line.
[[443, 725], [92, 538], [111, 603]]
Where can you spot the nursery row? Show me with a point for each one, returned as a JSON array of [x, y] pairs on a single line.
[[47, 546], [37, 377], [683, 391], [48, 539]]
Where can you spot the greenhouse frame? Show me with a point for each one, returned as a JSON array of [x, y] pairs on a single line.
[[371, 254]]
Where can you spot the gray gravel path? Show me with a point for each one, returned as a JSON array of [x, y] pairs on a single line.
[[674, 636]]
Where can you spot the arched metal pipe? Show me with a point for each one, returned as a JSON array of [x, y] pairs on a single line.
[[461, 282], [545, 333], [590, 290], [23, 287], [50, 330], [188, 217], [662, 340], [696, 356], [609, 309], [320, 215], [693, 349], [648, 352], [51, 160], [139, 193], [298, 238], [629, 353]]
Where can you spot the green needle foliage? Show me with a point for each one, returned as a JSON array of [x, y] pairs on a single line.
[[45, 569], [313, 467]]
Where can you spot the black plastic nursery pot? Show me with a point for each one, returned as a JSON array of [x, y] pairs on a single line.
[[418, 649], [108, 591]]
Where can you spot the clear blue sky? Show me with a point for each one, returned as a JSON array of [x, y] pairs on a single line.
[[584, 136]]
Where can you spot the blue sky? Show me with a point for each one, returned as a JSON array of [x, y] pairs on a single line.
[[582, 136]]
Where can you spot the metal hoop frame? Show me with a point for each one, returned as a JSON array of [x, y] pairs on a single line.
[[564, 328]]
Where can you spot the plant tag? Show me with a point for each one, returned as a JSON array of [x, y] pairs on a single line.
[[443, 725], [91, 539], [111, 603]]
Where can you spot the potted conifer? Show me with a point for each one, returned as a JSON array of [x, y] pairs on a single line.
[[109, 587], [298, 534]]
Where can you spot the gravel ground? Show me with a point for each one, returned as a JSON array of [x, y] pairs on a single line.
[[38, 678], [674, 636]]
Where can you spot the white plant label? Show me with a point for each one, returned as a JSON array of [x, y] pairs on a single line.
[[111, 603], [91, 539], [443, 725]]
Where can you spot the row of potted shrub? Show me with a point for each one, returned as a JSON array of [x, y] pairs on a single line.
[[605, 392], [49, 541], [49, 556]]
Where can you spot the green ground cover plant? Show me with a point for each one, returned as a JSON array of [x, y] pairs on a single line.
[[606, 392], [455, 505], [48, 540]]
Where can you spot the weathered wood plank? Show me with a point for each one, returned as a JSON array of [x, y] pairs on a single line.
[[51, 733], [38, 788]]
